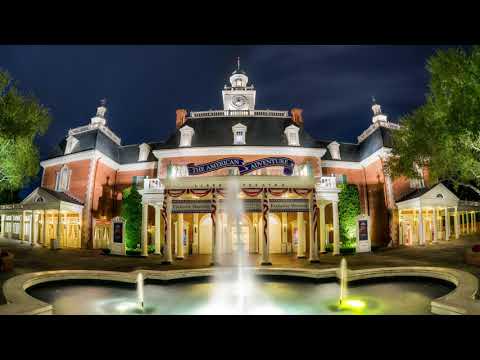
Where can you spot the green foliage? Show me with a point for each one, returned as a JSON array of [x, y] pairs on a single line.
[[22, 118], [132, 213], [444, 133], [348, 210]]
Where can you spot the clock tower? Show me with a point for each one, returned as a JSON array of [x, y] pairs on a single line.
[[238, 96]]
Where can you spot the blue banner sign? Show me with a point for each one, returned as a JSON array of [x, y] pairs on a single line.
[[243, 167]]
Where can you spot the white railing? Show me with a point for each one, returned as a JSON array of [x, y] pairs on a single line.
[[327, 182], [223, 113], [153, 185], [103, 128], [375, 126]]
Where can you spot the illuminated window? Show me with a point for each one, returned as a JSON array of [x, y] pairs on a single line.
[[63, 179]]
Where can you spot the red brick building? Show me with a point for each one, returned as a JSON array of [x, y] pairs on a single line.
[[184, 179]]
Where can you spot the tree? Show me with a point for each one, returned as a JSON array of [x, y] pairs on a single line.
[[22, 118], [132, 213], [348, 210], [444, 133]]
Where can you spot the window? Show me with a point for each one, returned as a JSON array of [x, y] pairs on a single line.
[[144, 151], [239, 132], [334, 149], [63, 179], [291, 132], [186, 134], [71, 142]]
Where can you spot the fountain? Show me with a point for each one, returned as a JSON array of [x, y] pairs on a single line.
[[140, 290]]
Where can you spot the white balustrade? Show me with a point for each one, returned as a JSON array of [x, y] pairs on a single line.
[[223, 113], [153, 185], [327, 182]]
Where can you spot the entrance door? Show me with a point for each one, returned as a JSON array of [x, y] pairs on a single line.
[[241, 238], [205, 238]]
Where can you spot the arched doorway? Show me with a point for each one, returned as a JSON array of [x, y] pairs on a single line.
[[205, 235], [275, 234]]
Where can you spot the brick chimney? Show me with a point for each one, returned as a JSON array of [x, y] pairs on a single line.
[[181, 117], [297, 117]]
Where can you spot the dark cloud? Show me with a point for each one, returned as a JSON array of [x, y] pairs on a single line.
[[145, 84]]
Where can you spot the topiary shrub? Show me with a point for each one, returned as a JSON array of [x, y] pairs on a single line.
[[132, 213], [348, 210]]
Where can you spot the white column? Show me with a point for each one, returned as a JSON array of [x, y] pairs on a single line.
[[469, 223], [158, 240], [33, 230], [301, 236], [180, 252], [21, 234], [195, 234], [59, 231], [265, 229], [322, 227], [421, 233], [144, 229], [2, 219], [336, 229], [312, 235], [400, 228], [435, 225], [256, 233], [44, 228], [284, 231], [167, 256], [447, 224], [456, 226]]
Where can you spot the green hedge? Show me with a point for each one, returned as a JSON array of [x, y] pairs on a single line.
[[348, 210], [132, 213]]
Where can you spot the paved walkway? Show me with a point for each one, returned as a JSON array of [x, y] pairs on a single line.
[[28, 259]]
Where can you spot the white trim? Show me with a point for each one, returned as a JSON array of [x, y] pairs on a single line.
[[341, 164], [140, 166], [240, 150], [84, 155]]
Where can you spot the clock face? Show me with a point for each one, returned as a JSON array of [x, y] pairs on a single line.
[[239, 101]]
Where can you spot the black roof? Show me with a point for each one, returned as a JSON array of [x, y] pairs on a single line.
[[62, 196], [415, 194], [217, 131]]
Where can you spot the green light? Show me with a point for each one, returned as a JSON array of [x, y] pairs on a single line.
[[352, 304]]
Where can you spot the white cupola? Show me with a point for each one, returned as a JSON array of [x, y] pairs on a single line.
[[100, 117], [186, 135], [239, 96], [334, 149], [377, 112]]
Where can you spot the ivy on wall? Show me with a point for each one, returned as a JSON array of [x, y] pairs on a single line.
[[348, 210], [132, 213]]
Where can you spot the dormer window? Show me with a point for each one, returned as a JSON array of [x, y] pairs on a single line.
[[144, 151], [71, 142], [291, 132], [186, 136], [334, 149], [239, 132], [63, 179]]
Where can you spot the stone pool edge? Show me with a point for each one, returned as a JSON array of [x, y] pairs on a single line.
[[460, 301]]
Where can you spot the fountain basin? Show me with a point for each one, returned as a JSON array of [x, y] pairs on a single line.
[[459, 301]]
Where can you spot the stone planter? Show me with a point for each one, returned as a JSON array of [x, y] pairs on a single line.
[[471, 257], [6, 261]]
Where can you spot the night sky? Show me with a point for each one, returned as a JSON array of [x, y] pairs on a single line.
[[144, 85]]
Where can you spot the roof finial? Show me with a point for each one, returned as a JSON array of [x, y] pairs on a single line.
[[103, 102], [238, 62], [374, 100]]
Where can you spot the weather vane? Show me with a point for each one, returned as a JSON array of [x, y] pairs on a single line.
[[103, 102], [373, 99], [238, 62]]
